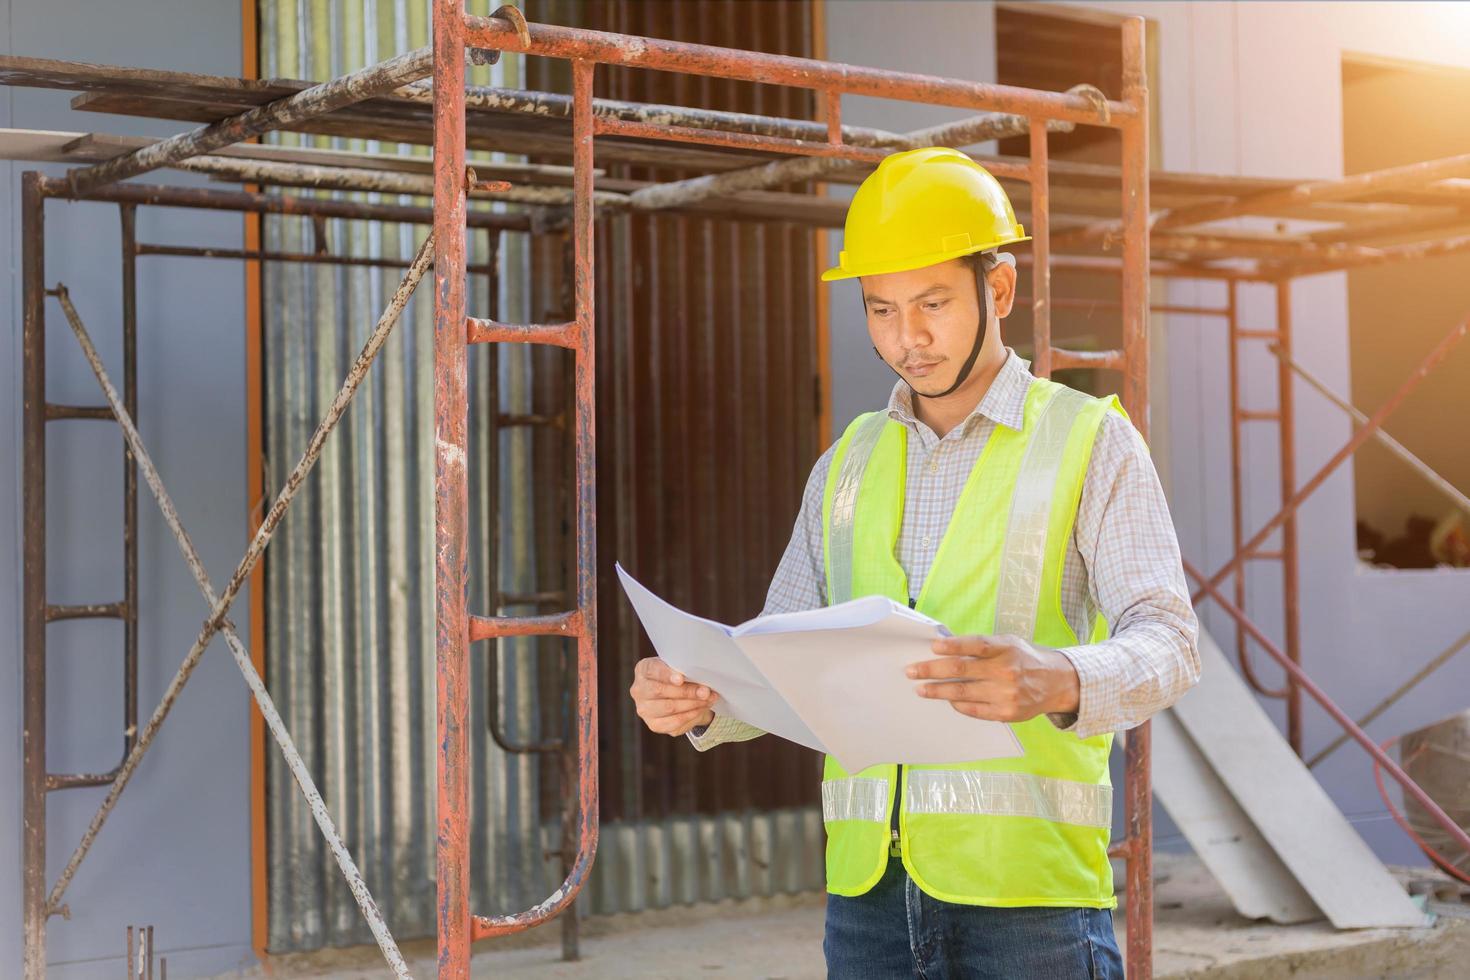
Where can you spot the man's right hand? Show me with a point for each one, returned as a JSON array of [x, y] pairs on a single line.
[[666, 703]]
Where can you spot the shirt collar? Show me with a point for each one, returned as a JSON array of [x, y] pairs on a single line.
[[1004, 402]]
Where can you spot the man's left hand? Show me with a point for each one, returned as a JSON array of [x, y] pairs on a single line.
[[998, 678]]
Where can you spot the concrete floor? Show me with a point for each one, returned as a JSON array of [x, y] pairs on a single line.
[[1197, 935]]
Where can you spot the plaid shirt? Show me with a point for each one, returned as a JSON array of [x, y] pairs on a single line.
[[1122, 561]]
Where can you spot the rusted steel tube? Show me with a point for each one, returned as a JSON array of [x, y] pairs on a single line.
[[322, 178], [1456, 832], [1138, 787], [1237, 485], [1313, 192], [554, 624], [586, 826], [701, 59], [1430, 362], [1040, 251], [1291, 584], [451, 496], [96, 610], [1382, 256], [964, 132], [33, 612], [263, 255], [306, 104], [1109, 360], [98, 413], [1403, 452], [744, 141], [304, 782], [128, 227], [1287, 249], [554, 105], [480, 331], [222, 200]]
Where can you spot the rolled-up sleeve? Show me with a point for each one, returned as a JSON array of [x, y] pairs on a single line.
[[1127, 543]]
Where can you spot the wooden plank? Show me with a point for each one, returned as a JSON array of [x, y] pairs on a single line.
[[1289, 808], [1259, 885]]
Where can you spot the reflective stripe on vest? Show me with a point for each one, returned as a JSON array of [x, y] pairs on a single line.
[[844, 505], [1024, 550], [855, 798], [1002, 794]]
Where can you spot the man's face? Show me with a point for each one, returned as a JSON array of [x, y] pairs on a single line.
[[923, 322]]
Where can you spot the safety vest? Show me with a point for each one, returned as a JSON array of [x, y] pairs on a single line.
[[1007, 832]]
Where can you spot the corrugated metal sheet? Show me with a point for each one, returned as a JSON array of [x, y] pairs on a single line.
[[349, 581]]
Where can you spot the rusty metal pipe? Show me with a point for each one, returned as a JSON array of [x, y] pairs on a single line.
[[1291, 584], [1313, 192], [319, 100], [744, 141], [1138, 788], [1456, 832], [33, 732], [585, 818], [128, 223], [1430, 362], [1063, 358], [264, 255], [451, 496], [480, 331], [554, 105], [251, 203], [1040, 251], [551, 624], [323, 178], [974, 129], [577, 44], [1237, 492]]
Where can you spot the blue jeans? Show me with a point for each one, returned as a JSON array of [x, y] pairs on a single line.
[[896, 931]]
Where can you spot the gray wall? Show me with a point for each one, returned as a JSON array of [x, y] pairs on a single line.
[[1251, 89], [176, 852]]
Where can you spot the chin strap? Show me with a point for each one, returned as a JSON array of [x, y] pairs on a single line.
[[983, 294]]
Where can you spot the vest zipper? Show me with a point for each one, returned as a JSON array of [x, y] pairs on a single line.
[[895, 848]]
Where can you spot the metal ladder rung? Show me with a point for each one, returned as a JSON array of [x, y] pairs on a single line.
[[102, 413], [568, 623], [478, 331], [96, 610], [1062, 359], [79, 780]]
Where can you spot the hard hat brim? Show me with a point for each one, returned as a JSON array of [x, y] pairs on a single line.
[[837, 272]]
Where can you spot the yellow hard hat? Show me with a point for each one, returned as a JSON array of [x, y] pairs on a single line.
[[922, 207]]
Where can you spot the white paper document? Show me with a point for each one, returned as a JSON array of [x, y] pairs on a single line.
[[831, 679]]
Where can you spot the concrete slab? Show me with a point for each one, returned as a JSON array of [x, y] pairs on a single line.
[[1197, 935]]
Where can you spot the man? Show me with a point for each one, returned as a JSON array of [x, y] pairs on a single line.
[[1028, 518]]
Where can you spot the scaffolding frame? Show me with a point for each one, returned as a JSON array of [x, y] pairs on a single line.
[[1407, 201]]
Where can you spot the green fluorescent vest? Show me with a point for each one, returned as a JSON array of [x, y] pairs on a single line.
[[1008, 832]]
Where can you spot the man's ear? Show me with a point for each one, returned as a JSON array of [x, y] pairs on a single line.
[[1002, 281]]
